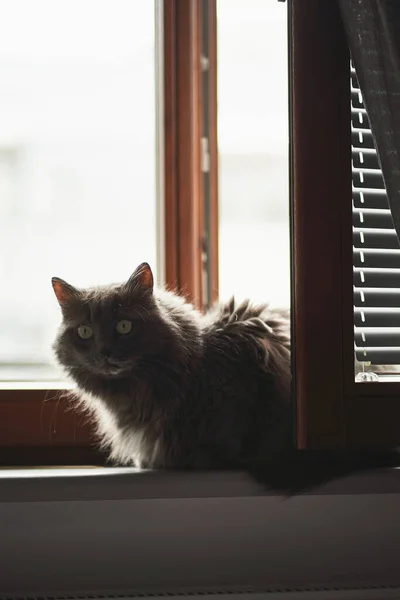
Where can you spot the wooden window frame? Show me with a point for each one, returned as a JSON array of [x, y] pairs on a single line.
[[332, 409], [191, 231], [37, 426]]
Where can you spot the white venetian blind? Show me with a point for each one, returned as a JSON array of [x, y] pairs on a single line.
[[376, 250]]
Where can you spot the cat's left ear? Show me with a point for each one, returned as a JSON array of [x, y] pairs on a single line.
[[142, 277]]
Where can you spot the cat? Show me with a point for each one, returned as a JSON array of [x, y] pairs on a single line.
[[171, 388]]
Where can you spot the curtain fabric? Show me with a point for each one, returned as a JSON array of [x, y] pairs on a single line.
[[373, 32]]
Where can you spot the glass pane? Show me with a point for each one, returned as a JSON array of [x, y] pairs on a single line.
[[376, 257], [253, 145], [77, 160]]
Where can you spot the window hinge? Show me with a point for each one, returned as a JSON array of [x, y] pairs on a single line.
[[205, 63], [205, 155], [204, 271]]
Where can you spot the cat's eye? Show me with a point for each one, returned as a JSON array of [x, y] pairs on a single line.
[[85, 332], [124, 326]]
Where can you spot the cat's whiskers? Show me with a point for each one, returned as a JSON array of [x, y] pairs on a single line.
[[47, 398], [139, 308], [164, 364]]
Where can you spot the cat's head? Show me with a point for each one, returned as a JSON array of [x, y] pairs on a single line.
[[107, 330]]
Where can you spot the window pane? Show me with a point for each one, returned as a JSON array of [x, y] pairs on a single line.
[[376, 256], [77, 159], [253, 146]]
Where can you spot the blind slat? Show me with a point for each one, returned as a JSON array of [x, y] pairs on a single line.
[[376, 298], [368, 179], [362, 139], [376, 278], [370, 199], [375, 317], [356, 99], [377, 339], [375, 238], [379, 356], [383, 259], [359, 119], [364, 159], [374, 219]]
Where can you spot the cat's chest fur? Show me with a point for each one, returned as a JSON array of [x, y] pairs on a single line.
[[125, 431]]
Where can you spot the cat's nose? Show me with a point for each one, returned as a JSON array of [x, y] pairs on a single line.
[[104, 351]]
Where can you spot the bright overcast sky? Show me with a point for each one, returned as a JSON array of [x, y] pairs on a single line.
[[251, 46], [102, 28]]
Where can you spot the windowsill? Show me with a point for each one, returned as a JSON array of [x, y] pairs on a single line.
[[56, 384], [387, 378], [108, 483], [105, 529]]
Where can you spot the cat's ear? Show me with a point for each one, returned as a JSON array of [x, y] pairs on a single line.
[[142, 277], [65, 293]]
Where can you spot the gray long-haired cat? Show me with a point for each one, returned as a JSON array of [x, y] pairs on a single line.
[[169, 387]]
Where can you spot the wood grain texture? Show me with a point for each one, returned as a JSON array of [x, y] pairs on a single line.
[[373, 421], [39, 427], [170, 145], [321, 191], [213, 149], [183, 177]]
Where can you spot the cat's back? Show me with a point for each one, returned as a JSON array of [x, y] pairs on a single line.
[[239, 342], [239, 392], [247, 350], [234, 319]]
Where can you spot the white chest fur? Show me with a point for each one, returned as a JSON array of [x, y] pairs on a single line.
[[126, 445]]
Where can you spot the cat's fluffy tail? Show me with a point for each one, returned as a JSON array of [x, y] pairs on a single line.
[[293, 472]]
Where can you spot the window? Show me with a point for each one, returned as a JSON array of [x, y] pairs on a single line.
[[253, 151], [77, 160], [110, 154], [332, 409], [49, 180]]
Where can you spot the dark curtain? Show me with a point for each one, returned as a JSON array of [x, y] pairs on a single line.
[[373, 32]]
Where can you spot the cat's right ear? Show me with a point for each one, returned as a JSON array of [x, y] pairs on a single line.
[[65, 293]]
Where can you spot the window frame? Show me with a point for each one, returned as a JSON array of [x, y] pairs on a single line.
[[332, 409], [49, 433], [191, 231]]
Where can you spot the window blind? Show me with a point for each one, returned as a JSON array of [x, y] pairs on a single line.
[[376, 250]]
